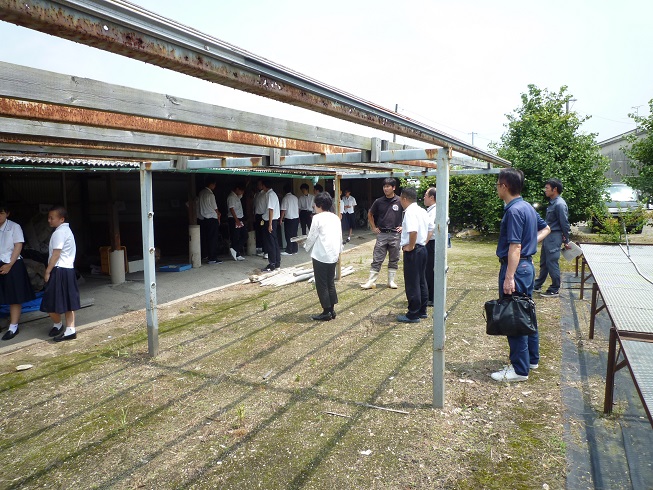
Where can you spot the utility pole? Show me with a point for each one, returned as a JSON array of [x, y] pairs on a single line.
[[567, 104], [394, 136], [473, 133], [636, 107]]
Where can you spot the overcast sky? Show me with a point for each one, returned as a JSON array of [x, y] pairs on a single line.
[[459, 66]]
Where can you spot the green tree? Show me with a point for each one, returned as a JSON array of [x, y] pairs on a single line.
[[544, 141], [641, 152], [473, 201]]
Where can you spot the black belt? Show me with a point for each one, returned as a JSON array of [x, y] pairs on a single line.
[[388, 230], [504, 260]]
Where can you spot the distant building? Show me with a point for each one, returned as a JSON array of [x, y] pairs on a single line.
[[620, 164]]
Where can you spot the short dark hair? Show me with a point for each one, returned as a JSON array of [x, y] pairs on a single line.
[[318, 187], [240, 186], [304, 186], [390, 181], [513, 178], [60, 210], [287, 188], [210, 179], [554, 184], [4, 208], [323, 201], [431, 191], [267, 183], [409, 193]]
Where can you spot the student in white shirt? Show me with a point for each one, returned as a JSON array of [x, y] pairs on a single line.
[[305, 208], [237, 229], [15, 287], [290, 219], [347, 205], [260, 201], [61, 295], [325, 238], [416, 230], [210, 223], [271, 227]]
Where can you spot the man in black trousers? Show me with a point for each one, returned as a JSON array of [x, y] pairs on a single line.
[[416, 230], [271, 226]]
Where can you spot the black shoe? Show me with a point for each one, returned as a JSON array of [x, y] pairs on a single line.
[[54, 331], [423, 315], [269, 268], [325, 316], [333, 314], [429, 303], [61, 338], [9, 334]]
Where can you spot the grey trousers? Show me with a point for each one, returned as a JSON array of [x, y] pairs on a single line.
[[549, 261], [386, 243]]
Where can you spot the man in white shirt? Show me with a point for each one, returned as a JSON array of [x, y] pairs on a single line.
[[290, 219], [237, 229], [429, 202], [416, 230], [271, 226], [210, 223], [260, 201], [305, 208], [347, 205]]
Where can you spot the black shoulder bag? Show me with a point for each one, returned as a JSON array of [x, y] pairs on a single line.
[[511, 315]]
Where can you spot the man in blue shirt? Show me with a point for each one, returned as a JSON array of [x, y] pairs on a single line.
[[521, 229], [557, 219]]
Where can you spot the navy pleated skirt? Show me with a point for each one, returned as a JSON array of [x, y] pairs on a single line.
[[15, 287], [61, 292]]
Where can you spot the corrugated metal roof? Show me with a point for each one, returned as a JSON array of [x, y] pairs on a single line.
[[47, 163], [41, 161]]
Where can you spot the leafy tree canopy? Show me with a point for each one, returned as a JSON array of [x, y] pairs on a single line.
[[544, 141], [641, 151]]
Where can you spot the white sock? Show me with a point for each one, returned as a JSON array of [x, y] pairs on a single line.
[[69, 330], [58, 325], [13, 327]]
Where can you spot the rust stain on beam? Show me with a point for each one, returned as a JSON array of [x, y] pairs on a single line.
[[93, 31], [83, 144], [39, 111]]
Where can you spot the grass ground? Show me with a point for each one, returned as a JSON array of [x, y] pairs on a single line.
[[247, 392]]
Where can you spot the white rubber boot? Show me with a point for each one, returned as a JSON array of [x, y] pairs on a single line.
[[391, 278], [371, 282]]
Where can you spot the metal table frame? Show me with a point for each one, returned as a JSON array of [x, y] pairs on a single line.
[[630, 342]]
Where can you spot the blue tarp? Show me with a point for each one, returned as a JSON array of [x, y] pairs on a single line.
[[33, 305]]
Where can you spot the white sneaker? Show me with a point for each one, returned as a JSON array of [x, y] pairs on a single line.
[[233, 253], [533, 366], [285, 253], [240, 257], [265, 256], [508, 375]]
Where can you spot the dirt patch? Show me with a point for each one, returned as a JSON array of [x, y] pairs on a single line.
[[248, 392]]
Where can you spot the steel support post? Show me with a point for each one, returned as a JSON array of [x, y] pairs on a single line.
[[440, 272], [147, 221], [336, 191]]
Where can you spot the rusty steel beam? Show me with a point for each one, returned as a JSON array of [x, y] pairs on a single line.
[[126, 29], [38, 111]]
